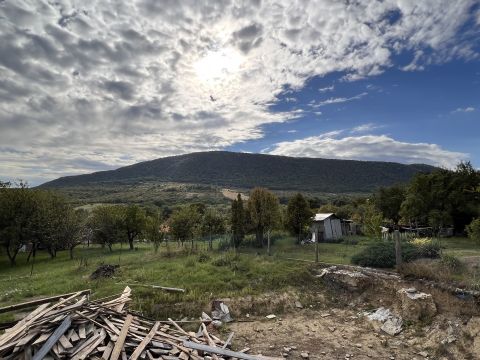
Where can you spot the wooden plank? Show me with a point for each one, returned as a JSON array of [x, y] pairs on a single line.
[[81, 332], [230, 337], [36, 302], [145, 342], [10, 335], [88, 350], [53, 339], [224, 352], [65, 343], [107, 351], [121, 338]]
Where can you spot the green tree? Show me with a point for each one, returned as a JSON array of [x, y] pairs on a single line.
[[389, 200], [238, 221], [212, 223], [133, 220], [154, 231], [105, 224], [372, 221], [185, 224], [299, 215], [263, 208], [17, 206], [473, 230]]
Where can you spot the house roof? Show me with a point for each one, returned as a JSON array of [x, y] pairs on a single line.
[[321, 217]]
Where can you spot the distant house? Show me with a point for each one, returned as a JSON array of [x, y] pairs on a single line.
[[327, 227]]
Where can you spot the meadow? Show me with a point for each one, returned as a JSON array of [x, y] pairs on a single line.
[[204, 275]]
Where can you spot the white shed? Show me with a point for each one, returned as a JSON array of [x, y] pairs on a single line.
[[326, 227]]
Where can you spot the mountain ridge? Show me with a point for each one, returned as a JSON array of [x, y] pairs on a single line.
[[247, 170]]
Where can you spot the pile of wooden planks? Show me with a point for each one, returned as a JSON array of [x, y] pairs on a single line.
[[76, 328]]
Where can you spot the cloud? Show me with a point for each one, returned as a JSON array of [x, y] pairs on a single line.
[[337, 100], [100, 80], [464, 110], [365, 128], [327, 88], [368, 147]]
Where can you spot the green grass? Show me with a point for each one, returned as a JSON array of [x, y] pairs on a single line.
[[205, 275]]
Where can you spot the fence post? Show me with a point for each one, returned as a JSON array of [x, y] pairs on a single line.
[[316, 250], [398, 248]]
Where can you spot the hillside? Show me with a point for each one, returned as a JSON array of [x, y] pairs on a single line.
[[241, 170]]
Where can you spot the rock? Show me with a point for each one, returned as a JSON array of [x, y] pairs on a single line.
[[287, 349], [332, 328], [423, 353], [304, 355], [271, 316], [217, 324], [298, 305], [220, 311], [416, 305], [392, 326], [351, 280]]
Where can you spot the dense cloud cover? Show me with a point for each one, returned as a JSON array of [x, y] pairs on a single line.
[[90, 85]]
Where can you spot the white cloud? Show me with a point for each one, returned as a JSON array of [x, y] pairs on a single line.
[[336, 100], [83, 84], [464, 110], [364, 128], [327, 88], [368, 147]]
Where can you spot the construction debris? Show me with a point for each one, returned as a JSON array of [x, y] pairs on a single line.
[[76, 328]]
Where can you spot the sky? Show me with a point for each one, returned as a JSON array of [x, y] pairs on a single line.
[[95, 85]]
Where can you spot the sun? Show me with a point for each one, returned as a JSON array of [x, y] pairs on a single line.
[[218, 66]]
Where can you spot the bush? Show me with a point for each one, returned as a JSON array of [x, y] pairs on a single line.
[[473, 230], [381, 254], [452, 262]]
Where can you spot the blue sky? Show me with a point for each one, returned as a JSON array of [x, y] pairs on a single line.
[[439, 105], [90, 86]]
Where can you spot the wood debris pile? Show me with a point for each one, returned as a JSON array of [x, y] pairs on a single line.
[[76, 328]]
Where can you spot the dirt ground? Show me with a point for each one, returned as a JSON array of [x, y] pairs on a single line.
[[341, 334], [332, 324]]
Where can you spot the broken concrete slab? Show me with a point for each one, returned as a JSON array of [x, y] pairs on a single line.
[[416, 305]]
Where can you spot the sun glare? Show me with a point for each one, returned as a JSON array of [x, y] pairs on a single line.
[[218, 66]]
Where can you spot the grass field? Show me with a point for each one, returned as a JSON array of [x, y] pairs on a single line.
[[205, 275]]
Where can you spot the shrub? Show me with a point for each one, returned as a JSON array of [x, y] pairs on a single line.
[[203, 257], [473, 230], [381, 254], [451, 262]]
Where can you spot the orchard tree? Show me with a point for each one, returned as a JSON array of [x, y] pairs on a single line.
[[473, 230], [133, 222], [154, 230], [105, 224], [299, 215], [184, 224], [264, 211], [212, 223], [17, 206]]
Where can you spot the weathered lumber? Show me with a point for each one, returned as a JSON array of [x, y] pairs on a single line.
[[37, 302], [121, 338], [145, 342], [225, 352], [53, 339]]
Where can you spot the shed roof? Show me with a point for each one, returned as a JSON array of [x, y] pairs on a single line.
[[323, 216]]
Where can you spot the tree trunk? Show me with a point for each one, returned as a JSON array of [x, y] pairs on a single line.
[[268, 242], [210, 244], [12, 256], [259, 236], [71, 253], [130, 242]]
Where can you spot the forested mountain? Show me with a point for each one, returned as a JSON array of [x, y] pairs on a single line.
[[241, 170]]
